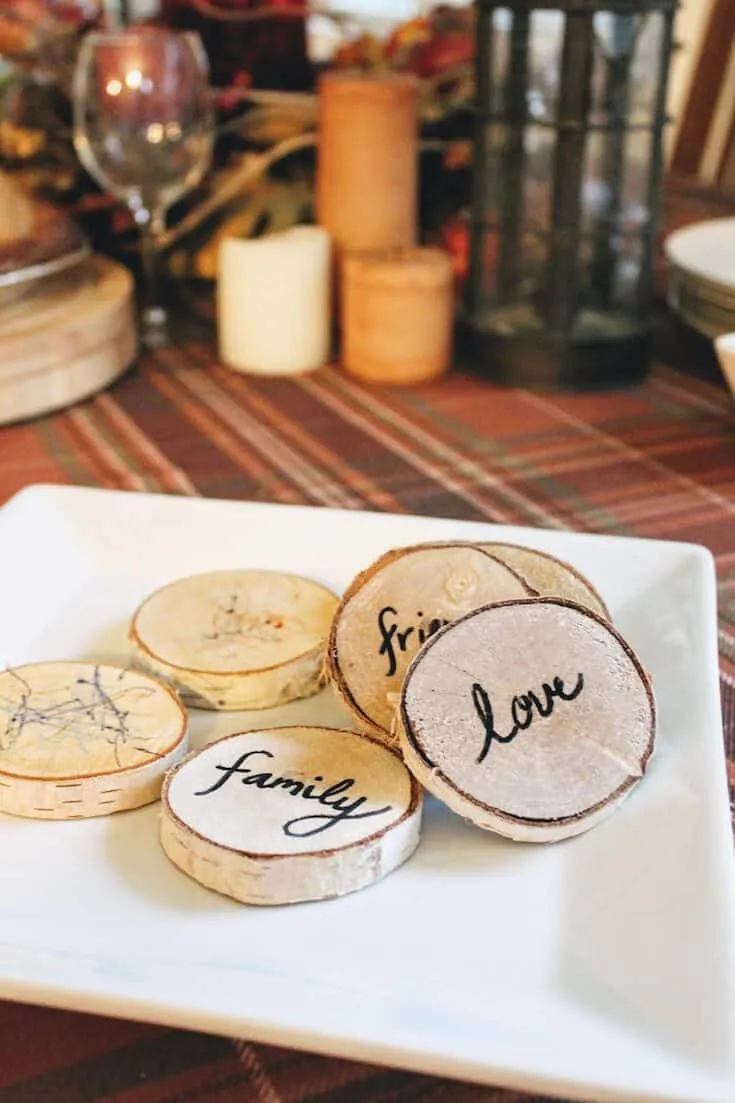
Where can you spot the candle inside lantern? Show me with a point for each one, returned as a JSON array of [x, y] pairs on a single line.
[[366, 188], [138, 82], [397, 315], [274, 302]]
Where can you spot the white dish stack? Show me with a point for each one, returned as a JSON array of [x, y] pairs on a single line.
[[701, 262]]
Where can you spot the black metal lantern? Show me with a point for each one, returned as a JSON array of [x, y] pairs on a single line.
[[571, 109]]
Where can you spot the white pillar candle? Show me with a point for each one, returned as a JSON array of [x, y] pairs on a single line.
[[274, 302]]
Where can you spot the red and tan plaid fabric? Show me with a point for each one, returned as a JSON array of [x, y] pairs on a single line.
[[656, 461]]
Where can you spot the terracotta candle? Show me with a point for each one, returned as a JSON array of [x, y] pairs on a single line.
[[274, 302], [397, 315], [366, 188]]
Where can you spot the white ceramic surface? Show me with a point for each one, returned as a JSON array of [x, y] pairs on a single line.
[[725, 349], [699, 304], [705, 250], [600, 968]]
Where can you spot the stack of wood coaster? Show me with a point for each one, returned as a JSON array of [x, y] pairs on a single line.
[[497, 671], [532, 719], [392, 608], [490, 675], [65, 338]]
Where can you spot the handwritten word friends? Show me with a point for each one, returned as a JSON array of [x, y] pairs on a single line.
[[391, 636]]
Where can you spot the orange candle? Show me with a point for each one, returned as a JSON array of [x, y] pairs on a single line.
[[366, 187], [397, 315]]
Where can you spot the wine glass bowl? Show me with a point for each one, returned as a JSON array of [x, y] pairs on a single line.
[[143, 128]]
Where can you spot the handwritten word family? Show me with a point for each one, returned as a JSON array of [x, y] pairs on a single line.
[[333, 796], [524, 709]]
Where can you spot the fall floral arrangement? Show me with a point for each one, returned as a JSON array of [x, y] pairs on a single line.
[[38, 46], [264, 165], [266, 147]]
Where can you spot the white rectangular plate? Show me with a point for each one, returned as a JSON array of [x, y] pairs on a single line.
[[600, 968]]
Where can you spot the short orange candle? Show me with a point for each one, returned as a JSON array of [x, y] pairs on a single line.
[[397, 315], [366, 186]]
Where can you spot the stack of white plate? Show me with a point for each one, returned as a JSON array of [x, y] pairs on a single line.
[[702, 275]]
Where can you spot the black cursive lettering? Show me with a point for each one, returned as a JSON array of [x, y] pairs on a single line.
[[340, 807], [560, 692], [289, 784], [391, 632], [523, 710], [484, 709], [230, 771], [308, 790], [343, 810], [386, 635]]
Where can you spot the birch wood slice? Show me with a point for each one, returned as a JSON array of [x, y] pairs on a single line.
[[80, 740], [236, 639], [290, 814], [390, 609], [549, 576], [533, 719]]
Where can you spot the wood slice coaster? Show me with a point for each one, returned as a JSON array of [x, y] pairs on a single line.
[[236, 639], [79, 740], [70, 337], [533, 719], [390, 609], [290, 814], [549, 576]]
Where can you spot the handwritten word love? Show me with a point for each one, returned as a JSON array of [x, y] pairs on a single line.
[[524, 708]]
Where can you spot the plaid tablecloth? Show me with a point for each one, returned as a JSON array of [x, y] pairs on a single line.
[[656, 461]]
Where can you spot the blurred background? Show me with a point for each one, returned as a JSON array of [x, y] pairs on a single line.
[[265, 58]]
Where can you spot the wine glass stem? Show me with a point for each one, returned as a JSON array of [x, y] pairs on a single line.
[[151, 224]]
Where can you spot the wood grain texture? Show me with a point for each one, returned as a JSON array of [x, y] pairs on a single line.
[[80, 739], [388, 611], [533, 719], [66, 339], [291, 814], [236, 639], [549, 576]]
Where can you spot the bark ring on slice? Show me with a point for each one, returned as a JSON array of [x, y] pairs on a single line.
[[533, 719], [83, 739], [290, 814], [549, 576], [390, 609], [236, 639]]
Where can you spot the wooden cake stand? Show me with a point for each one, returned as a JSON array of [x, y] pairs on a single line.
[[65, 339]]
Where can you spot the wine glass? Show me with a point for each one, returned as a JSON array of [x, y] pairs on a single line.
[[144, 129]]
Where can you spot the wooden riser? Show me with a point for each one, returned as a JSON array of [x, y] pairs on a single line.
[[66, 340]]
